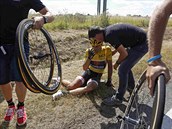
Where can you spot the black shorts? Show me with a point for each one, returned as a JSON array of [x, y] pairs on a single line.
[[88, 74], [8, 64]]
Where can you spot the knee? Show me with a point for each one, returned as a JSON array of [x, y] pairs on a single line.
[[80, 79], [123, 71], [91, 85], [88, 88], [20, 84]]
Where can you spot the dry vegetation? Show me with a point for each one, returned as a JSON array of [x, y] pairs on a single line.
[[82, 112]]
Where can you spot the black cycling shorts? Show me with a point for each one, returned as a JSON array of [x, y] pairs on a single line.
[[88, 74]]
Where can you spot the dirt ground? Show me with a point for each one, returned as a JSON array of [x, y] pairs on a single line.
[[69, 112]]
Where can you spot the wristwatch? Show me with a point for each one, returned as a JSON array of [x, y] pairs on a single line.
[[45, 19]]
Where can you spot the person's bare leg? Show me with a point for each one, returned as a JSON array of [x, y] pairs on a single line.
[[81, 90], [21, 95], [6, 91], [21, 91], [73, 85], [65, 83]]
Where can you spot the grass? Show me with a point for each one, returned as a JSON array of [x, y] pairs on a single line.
[[80, 21]]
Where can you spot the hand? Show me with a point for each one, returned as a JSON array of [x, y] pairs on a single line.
[[38, 22], [91, 54], [109, 83], [114, 52], [153, 71], [115, 66]]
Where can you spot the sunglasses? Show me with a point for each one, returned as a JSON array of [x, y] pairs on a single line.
[[95, 43]]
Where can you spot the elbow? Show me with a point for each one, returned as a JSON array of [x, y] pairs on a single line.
[[126, 54]]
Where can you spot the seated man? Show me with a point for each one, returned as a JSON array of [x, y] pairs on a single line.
[[96, 59]]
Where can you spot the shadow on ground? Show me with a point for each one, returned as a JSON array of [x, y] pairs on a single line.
[[102, 92], [114, 112], [6, 125]]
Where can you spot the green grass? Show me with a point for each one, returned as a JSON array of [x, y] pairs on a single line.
[[79, 21]]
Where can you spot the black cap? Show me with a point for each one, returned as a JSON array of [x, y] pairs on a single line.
[[94, 30]]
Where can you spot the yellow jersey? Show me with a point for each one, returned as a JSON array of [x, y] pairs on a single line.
[[98, 62]]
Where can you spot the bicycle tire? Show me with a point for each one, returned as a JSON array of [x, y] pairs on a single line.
[[159, 103], [23, 27], [44, 87], [27, 81], [135, 116]]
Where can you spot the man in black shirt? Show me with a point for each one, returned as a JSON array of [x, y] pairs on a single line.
[[12, 13], [131, 43]]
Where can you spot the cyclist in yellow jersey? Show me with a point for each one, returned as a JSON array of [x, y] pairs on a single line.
[[96, 59]]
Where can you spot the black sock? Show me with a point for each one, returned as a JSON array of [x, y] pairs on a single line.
[[20, 104], [10, 102]]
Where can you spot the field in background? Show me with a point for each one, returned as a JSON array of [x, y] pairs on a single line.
[[79, 21]]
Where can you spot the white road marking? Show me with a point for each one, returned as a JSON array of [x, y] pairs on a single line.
[[167, 120]]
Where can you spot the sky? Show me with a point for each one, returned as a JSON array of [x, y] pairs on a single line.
[[120, 7]]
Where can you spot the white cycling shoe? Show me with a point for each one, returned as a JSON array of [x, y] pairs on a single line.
[[57, 95]]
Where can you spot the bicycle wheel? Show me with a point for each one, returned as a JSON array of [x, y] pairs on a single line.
[[143, 110], [26, 80], [39, 57]]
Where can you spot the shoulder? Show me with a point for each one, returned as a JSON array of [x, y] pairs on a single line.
[[106, 48]]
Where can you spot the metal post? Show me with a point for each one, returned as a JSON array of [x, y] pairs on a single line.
[[98, 6], [104, 6]]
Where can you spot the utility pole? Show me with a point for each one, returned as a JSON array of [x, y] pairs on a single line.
[[98, 6], [104, 6]]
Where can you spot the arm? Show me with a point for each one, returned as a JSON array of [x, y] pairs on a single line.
[[109, 62], [86, 64], [108, 54], [46, 17], [88, 56], [122, 55], [109, 79], [47, 14], [114, 52], [157, 25]]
